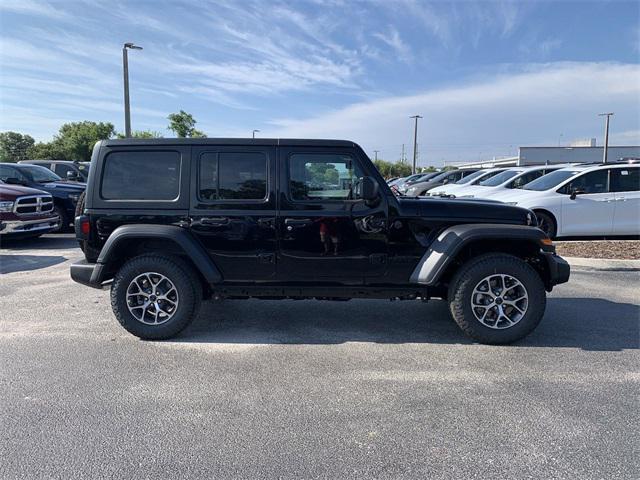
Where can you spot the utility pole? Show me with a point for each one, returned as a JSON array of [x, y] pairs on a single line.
[[415, 143], [375, 152], [606, 135], [402, 156], [125, 68], [253, 133]]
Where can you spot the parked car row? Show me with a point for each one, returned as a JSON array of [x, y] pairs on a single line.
[[34, 200], [568, 200]]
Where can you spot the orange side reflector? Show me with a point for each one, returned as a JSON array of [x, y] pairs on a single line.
[[546, 241]]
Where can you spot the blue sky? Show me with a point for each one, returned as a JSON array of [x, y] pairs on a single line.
[[487, 76]]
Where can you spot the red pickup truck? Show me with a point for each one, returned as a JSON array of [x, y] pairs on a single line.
[[25, 212]]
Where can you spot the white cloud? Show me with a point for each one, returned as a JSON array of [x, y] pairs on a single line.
[[393, 40], [489, 116], [33, 7]]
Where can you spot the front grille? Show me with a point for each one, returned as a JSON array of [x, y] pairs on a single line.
[[33, 205]]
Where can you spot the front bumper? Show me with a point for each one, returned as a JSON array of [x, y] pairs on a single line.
[[21, 227], [89, 274], [559, 269]]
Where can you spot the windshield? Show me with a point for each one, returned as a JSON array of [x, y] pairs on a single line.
[[40, 174], [472, 177], [550, 180], [500, 178]]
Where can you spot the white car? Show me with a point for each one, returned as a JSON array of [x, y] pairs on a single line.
[[473, 179], [513, 178], [584, 200]]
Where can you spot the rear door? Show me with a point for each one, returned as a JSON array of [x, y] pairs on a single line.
[[625, 185], [324, 235], [591, 212], [233, 209]]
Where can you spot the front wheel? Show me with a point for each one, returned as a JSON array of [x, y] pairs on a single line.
[[155, 297], [497, 298]]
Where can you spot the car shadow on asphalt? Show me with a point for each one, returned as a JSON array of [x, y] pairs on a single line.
[[25, 263], [45, 242], [586, 323]]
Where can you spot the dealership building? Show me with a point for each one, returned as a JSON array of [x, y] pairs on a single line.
[[576, 153]]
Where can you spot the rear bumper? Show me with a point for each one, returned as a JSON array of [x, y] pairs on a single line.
[[89, 274], [21, 227], [559, 269]]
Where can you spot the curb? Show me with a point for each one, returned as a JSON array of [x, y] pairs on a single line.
[[603, 264]]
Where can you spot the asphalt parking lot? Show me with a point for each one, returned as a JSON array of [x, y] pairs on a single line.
[[307, 389]]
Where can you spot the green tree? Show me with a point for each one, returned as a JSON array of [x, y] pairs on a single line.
[[183, 125], [78, 138], [14, 146], [142, 134], [47, 151], [388, 169]]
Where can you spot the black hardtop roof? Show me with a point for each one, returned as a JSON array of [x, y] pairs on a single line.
[[229, 141]]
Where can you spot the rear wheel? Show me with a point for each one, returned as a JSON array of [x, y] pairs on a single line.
[[155, 297], [497, 298]]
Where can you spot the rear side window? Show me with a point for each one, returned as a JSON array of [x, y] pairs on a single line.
[[625, 180], [141, 175], [319, 176], [232, 176]]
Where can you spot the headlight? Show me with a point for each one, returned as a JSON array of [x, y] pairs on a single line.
[[74, 197], [6, 206]]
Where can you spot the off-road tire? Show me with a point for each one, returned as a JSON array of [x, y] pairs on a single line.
[[471, 273], [90, 253], [183, 277]]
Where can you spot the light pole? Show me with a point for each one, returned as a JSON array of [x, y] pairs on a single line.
[[253, 133], [375, 152], [415, 143], [125, 68], [606, 135]]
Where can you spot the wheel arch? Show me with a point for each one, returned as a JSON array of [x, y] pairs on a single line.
[[456, 245], [553, 216], [128, 241]]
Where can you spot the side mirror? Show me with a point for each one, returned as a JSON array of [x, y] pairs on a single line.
[[13, 181], [71, 175], [366, 189], [445, 181], [575, 192]]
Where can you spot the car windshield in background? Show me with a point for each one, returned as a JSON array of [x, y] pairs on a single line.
[[471, 178], [40, 174], [441, 176], [550, 180], [500, 178]]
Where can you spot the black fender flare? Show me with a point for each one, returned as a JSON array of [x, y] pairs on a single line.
[[183, 238], [449, 243]]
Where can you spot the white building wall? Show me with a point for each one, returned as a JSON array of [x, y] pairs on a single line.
[[543, 155]]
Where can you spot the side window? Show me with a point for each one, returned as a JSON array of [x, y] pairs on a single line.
[[232, 176], [61, 169], [141, 175], [625, 179], [322, 176], [522, 180], [592, 182]]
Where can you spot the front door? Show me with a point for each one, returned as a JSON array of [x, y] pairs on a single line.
[[233, 209], [625, 185], [326, 236], [591, 211]]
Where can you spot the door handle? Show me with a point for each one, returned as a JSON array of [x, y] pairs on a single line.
[[214, 221], [292, 223]]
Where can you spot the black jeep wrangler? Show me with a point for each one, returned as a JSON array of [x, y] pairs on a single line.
[[169, 222]]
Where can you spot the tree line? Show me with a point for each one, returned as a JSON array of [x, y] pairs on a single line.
[[75, 140]]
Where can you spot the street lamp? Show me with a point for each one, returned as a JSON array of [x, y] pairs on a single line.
[[125, 68], [606, 136], [253, 134], [375, 152], [415, 143]]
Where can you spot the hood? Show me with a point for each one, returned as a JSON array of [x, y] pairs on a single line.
[[425, 185], [475, 191], [64, 186], [465, 210], [11, 192], [447, 189], [517, 195]]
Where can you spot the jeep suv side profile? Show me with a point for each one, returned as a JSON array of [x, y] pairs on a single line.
[[170, 222]]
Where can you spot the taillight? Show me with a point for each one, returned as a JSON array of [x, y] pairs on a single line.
[[85, 226]]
